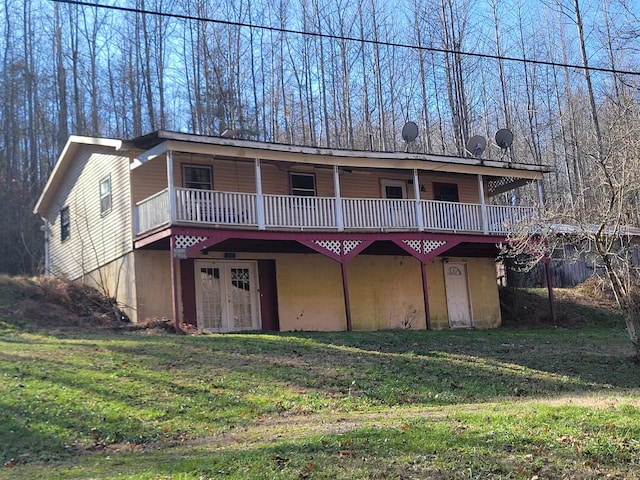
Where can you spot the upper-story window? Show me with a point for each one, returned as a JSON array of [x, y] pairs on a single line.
[[393, 189], [197, 176], [303, 184], [65, 224], [105, 195], [447, 192]]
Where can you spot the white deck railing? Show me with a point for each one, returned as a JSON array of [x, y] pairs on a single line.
[[299, 212], [500, 217], [379, 213], [208, 207], [152, 212], [453, 216], [213, 207]]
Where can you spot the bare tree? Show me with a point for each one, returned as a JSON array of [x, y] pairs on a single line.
[[602, 229]]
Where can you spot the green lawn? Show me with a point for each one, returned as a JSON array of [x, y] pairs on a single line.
[[506, 403]]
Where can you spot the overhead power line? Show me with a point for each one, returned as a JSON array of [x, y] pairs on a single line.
[[351, 39]]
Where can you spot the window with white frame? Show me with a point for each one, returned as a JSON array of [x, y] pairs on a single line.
[[302, 184], [65, 224], [105, 195], [197, 176]]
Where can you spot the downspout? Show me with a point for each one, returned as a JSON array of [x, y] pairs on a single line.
[[47, 259]]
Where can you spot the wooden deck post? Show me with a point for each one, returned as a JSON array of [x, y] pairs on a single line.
[[345, 290], [259, 196], [338, 199], [483, 206], [174, 285], [547, 271], [171, 189], [416, 194], [425, 293]]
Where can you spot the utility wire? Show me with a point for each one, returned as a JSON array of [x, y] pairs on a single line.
[[351, 39]]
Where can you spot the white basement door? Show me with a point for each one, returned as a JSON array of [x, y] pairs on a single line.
[[457, 290]]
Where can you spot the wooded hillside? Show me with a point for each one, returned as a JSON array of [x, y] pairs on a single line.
[[561, 74]]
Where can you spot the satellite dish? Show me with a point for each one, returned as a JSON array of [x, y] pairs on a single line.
[[409, 132], [228, 133], [476, 145], [504, 138]]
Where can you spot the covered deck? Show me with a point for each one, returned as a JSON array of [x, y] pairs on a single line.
[[250, 189], [212, 208]]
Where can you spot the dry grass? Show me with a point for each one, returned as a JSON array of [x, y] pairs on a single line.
[[589, 304], [51, 303]]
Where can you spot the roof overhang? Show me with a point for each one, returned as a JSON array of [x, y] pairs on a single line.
[[74, 143], [160, 142]]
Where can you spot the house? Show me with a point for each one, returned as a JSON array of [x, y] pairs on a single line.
[[233, 235]]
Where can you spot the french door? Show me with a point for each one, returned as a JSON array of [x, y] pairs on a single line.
[[226, 296]]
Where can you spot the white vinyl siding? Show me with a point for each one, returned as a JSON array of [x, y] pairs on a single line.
[[95, 239]]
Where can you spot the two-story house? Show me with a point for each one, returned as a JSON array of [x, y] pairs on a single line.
[[232, 235]]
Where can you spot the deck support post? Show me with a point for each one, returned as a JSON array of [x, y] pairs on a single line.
[[338, 199], [483, 206], [174, 285], [425, 293], [171, 189], [345, 291], [259, 196], [416, 194], [547, 271], [540, 196]]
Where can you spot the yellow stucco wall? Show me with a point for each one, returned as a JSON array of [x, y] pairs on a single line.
[[310, 293], [437, 295], [483, 287], [153, 274], [385, 292]]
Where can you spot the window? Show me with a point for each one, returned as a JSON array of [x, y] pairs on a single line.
[[447, 192], [105, 195], [65, 224], [393, 189], [197, 176], [303, 184]]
